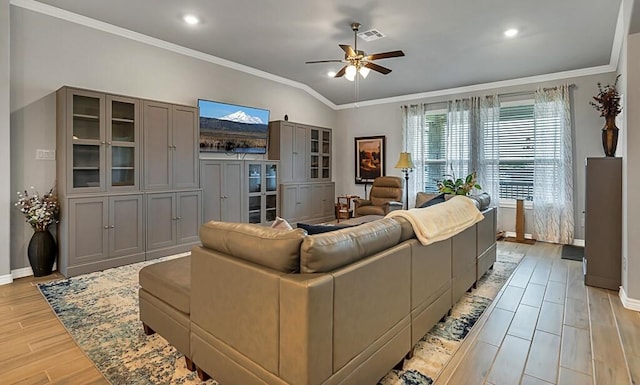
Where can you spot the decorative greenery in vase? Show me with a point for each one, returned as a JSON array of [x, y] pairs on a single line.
[[40, 210], [458, 186], [607, 102]]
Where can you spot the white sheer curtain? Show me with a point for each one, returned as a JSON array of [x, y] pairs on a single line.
[[413, 124], [458, 138], [487, 146], [470, 142], [553, 167]]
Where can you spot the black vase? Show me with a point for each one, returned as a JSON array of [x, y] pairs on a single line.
[[610, 136], [42, 252]]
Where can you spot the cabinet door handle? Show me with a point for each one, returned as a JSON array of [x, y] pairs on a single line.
[[174, 146], [178, 218], [106, 227], [112, 226], [102, 142], [108, 143]]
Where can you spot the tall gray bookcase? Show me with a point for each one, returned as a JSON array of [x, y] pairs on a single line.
[[307, 193], [104, 202], [603, 223]]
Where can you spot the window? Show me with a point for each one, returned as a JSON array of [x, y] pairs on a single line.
[[515, 146], [516, 151], [434, 149]]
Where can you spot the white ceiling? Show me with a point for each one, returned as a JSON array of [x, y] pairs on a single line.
[[448, 43]]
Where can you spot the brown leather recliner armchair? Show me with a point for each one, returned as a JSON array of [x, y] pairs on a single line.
[[386, 195]]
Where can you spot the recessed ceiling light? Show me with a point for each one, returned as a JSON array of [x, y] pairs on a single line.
[[511, 32], [331, 74], [191, 19]]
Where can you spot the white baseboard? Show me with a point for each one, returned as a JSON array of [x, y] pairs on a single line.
[[20, 273], [6, 279], [576, 242], [629, 303]]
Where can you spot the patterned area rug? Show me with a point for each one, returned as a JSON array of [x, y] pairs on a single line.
[[100, 311]]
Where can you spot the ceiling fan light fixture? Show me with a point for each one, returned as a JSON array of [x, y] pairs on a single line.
[[351, 72], [364, 71]]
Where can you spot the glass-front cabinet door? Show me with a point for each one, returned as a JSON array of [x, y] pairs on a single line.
[[262, 191], [270, 191], [254, 176], [86, 135], [319, 154], [122, 143], [104, 133]]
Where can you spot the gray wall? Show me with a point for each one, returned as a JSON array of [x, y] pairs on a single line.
[[47, 53], [386, 120], [5, 190]]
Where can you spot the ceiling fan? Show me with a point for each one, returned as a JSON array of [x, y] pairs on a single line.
[[358, 61]]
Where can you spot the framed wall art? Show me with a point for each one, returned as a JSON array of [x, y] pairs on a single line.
[[370, 158]]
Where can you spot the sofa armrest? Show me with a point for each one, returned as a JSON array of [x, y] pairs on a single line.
[[393, 205]]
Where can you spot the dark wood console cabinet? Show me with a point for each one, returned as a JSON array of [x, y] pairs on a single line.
[[603, 223]]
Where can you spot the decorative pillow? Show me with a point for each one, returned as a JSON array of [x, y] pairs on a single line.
[[319, 229], [433, 201], [281, 224], [422, 197]]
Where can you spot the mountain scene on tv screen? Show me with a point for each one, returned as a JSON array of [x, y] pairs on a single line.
[[236, 132]]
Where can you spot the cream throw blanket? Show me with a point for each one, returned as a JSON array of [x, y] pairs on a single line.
[[441, 221]]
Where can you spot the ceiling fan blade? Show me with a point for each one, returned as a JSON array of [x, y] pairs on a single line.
[[324, 61], [348, 50], [341, 72], [375, 67], [384, 55]]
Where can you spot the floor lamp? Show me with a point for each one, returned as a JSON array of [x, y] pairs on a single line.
[[406, 165]]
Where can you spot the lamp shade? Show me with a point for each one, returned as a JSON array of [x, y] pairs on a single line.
[[350, 73], [364, 71], [404, 161]]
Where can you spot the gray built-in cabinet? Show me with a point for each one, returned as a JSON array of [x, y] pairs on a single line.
[[170, 156], [240, 190], [105, 143], [304, 152], [173, 220], [222, 186]]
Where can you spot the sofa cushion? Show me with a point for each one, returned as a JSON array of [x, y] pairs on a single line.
[[276, 249], [169, 281], [329, 251], [319, 229], [406, 230]]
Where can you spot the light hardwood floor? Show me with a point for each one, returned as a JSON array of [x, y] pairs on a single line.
[[545, 327]]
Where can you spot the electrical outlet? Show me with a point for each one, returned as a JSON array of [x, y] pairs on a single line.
[[45, 154]]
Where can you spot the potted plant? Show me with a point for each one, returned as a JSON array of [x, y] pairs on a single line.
[[458, 186], [607, 102], [41, 211]]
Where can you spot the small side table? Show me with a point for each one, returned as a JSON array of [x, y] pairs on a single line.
[[343, 207]]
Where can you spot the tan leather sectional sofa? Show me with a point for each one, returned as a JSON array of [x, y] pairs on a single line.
[[283, 307]]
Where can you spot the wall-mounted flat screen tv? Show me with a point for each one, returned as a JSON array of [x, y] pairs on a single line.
[[231, 128]]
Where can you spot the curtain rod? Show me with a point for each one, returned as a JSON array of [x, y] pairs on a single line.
[[517, 93], [522, 93]]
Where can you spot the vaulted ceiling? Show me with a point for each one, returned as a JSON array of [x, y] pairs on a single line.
[[448, 43]]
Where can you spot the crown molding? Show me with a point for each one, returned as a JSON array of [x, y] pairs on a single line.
[[36, 6], [485, 86], [58, 13]]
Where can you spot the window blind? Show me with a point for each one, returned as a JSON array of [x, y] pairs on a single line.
[[516, 144]]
